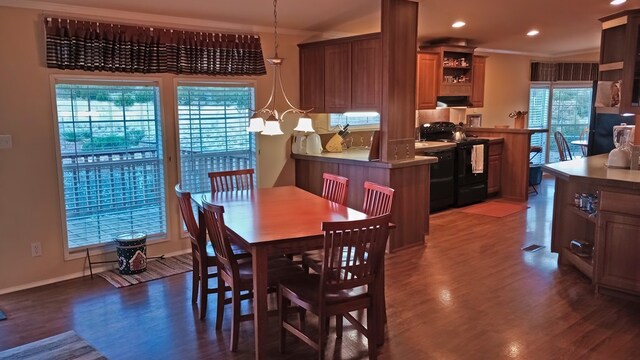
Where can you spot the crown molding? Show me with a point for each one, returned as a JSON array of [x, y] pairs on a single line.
[[135, 18], [509, 52], [537, 55]]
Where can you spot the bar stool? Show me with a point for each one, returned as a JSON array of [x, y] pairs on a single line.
[[535, 171]]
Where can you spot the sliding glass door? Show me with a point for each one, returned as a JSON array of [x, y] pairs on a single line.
[[564, 107]]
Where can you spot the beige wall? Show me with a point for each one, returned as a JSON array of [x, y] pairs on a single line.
[[30, 206], [506, 88]]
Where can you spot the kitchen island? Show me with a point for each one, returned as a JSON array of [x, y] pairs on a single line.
[[611, 224], [409, 177]]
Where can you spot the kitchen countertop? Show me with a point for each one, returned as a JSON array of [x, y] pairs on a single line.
[[492, 139], [433, 145], [360, 156], [507, 130], [592, 168]]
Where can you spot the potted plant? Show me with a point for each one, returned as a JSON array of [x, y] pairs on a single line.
[[520, 118]]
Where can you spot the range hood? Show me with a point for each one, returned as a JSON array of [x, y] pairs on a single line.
[[453, 101]]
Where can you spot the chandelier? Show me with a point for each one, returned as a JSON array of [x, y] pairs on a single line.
[[272, 124]]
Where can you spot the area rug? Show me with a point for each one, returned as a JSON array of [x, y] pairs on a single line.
[[2, 316], [63, 346], [156, 269], [496, 208]]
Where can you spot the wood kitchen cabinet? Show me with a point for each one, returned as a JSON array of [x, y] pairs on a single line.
[[619, 57], [366, 74], [454, 72], [449, 71], [312, 79], [477, 81], [342, 75], [618, 242], [427, 75], [337, 78], [494, 172]]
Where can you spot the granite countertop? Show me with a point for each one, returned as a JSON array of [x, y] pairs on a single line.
[[593, 168], [360, 156]]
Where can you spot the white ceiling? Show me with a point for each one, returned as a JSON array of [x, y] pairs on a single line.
[[566, 26]]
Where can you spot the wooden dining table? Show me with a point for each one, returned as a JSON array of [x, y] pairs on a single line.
[[275, 221]]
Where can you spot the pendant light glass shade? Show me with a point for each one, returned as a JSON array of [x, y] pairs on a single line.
[[256, 123], [272, 126], [304, 124]]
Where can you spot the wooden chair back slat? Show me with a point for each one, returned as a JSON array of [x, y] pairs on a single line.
[[231, 180], [186, 209], [214, 221], [334, 188], [377, 199], [352, 252], [563, 147]]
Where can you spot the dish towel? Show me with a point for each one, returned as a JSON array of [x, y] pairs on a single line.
[[477, 159]]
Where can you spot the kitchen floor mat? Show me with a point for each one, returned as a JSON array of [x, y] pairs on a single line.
[[533, 248], [495, 208], [63, 346], [156, 269]]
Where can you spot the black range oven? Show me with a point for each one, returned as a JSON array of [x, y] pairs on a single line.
[[470, 159]]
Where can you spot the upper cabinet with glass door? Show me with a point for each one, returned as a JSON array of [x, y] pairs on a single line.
[[620, 58]]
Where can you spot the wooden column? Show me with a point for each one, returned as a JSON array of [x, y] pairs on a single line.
[[399, 43]]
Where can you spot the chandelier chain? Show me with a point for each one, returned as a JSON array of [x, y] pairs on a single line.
[[275, 25]]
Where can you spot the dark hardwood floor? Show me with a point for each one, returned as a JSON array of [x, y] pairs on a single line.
[[471, 293]]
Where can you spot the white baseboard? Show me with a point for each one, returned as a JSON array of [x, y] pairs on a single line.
[[75, 275]]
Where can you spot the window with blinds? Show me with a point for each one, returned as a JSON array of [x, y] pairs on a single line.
[[539, 119], [363, 119], [212, 130], [110, 144], [564, 107]]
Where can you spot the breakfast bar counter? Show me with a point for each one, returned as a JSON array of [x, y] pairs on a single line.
[[410, 178]]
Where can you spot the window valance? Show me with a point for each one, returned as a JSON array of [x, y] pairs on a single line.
[[97, 46], [541, 71]]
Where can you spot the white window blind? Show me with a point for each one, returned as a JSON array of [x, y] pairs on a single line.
[[355, 119], [538, 119], [212, 127], [111, 158]]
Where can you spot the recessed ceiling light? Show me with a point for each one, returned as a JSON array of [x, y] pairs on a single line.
[[458, 24], [533, 33], [617, 2]]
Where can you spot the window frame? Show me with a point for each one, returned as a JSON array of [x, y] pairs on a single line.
[[362, 127], [55, 79], [551, 86], [203, 82]]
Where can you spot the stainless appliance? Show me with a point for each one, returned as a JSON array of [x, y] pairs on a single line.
[[470, 172]]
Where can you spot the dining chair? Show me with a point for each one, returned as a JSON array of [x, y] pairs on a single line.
[[203, 256], [563, 147], [377, 201], [237, 275], [584, 137], [231, 180], [346, 283], [334, 188]]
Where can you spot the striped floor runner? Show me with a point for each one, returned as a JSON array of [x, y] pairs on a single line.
[[156, 269], [63, 346]]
